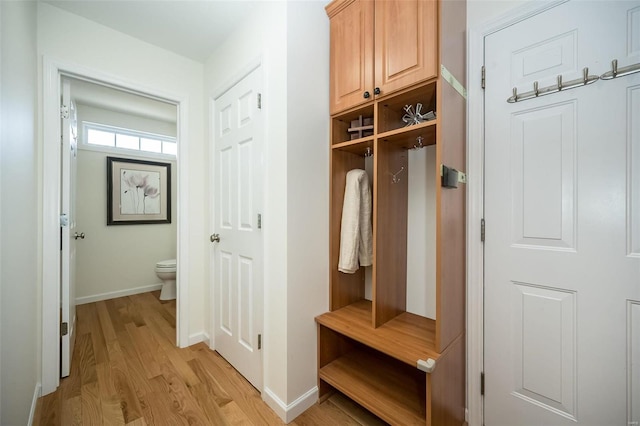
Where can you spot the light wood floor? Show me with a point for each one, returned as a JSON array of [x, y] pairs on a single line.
[[126, 370]]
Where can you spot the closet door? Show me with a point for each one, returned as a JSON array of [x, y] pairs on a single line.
[[562, 251]]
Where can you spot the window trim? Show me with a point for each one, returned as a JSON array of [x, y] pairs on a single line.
[[90, 125]]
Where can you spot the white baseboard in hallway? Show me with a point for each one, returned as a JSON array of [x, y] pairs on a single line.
[[116, 294], [34, 403], [289, 412]]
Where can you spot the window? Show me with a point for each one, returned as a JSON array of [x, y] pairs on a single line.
[[99, 136]]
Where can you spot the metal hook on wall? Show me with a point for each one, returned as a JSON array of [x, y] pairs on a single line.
[[419, 143], [394, 176], [368, 152]]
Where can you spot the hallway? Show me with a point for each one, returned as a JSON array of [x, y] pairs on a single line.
[[126, 370]]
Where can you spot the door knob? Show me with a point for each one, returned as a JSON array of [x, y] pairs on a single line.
[[366, 95], [215, 238], [80, 235], [376, 91]]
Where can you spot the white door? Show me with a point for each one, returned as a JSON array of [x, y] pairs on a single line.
[[562, 211], [238, 265], [68, 242]]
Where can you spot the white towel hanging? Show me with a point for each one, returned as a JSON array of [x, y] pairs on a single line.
[[356, 235]]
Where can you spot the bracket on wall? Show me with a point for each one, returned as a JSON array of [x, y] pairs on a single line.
[[451, 177]]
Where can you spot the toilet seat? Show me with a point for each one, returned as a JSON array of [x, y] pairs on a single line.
[[166, 265]]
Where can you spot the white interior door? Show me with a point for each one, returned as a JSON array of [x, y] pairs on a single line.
[[68, 231], [562, 210], [238, 255]]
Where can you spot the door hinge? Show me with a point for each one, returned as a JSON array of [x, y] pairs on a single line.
[[64, 220], [482, 230], [64, 328], [483, 76], [259, 100], [64, 111], [482, 383], [259, 341], [259, 221]]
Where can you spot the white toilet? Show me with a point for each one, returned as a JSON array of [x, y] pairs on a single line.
[[166, 271]]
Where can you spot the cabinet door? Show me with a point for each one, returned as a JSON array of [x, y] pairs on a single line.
[[406, 40], [351, 57]]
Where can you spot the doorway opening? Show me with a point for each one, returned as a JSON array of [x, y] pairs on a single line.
[[138, 99]]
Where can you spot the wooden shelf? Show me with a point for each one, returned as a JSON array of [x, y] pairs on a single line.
[[407, 337], [396, 395], [356, 146], [406, 137]]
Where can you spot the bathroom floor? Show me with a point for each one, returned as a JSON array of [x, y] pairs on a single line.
[[127, 370]]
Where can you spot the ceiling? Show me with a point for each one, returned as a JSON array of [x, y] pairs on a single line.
[[189, 28]]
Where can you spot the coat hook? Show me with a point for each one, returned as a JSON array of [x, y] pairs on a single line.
[[368, 152], [559, 82], [535, 88], [394, 176], [418, 143], [614, 68]]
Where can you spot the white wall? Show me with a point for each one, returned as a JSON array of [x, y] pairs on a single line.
[[263, 37], [20, 295], [115, 259], [93, 46], [103, 268], [292, 39], [123, 120], [307, 189]]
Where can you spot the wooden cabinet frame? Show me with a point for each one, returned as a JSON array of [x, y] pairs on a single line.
[[365, 346]]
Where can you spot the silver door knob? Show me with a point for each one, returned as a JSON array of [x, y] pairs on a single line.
[[215, 238], [80, 235]]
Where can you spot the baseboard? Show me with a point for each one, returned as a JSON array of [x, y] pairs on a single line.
[[119, 293], [34, 403], [199, 337], [289, 412]]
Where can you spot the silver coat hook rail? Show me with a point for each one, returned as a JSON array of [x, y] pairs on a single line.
[[619, 72], [558, 87]]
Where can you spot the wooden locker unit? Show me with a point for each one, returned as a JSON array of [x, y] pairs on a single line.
[[389, 45], [371, 350]]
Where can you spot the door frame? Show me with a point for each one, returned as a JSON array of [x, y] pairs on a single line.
[[52, 72], [237, 77], [475, 194]]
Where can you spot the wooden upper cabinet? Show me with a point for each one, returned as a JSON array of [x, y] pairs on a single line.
[[351, 57], [406, 40], [378, 47]]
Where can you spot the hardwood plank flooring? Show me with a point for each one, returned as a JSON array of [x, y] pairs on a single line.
[[127, 371]]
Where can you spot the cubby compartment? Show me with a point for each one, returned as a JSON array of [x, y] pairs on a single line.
[[392, 109], [353, 125], [390, 388]]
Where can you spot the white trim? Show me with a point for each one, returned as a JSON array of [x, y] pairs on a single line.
[[119, 293], [51, 74], [289, 412], [475, 196], [200, 337], [34, 403]]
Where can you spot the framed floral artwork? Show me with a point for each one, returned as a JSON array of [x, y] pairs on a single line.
[[138, 192]]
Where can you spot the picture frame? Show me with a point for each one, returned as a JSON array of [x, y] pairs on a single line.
[[138, 192]]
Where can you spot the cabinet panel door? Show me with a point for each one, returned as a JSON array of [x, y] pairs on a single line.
[[406, 40], [351, 54]]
